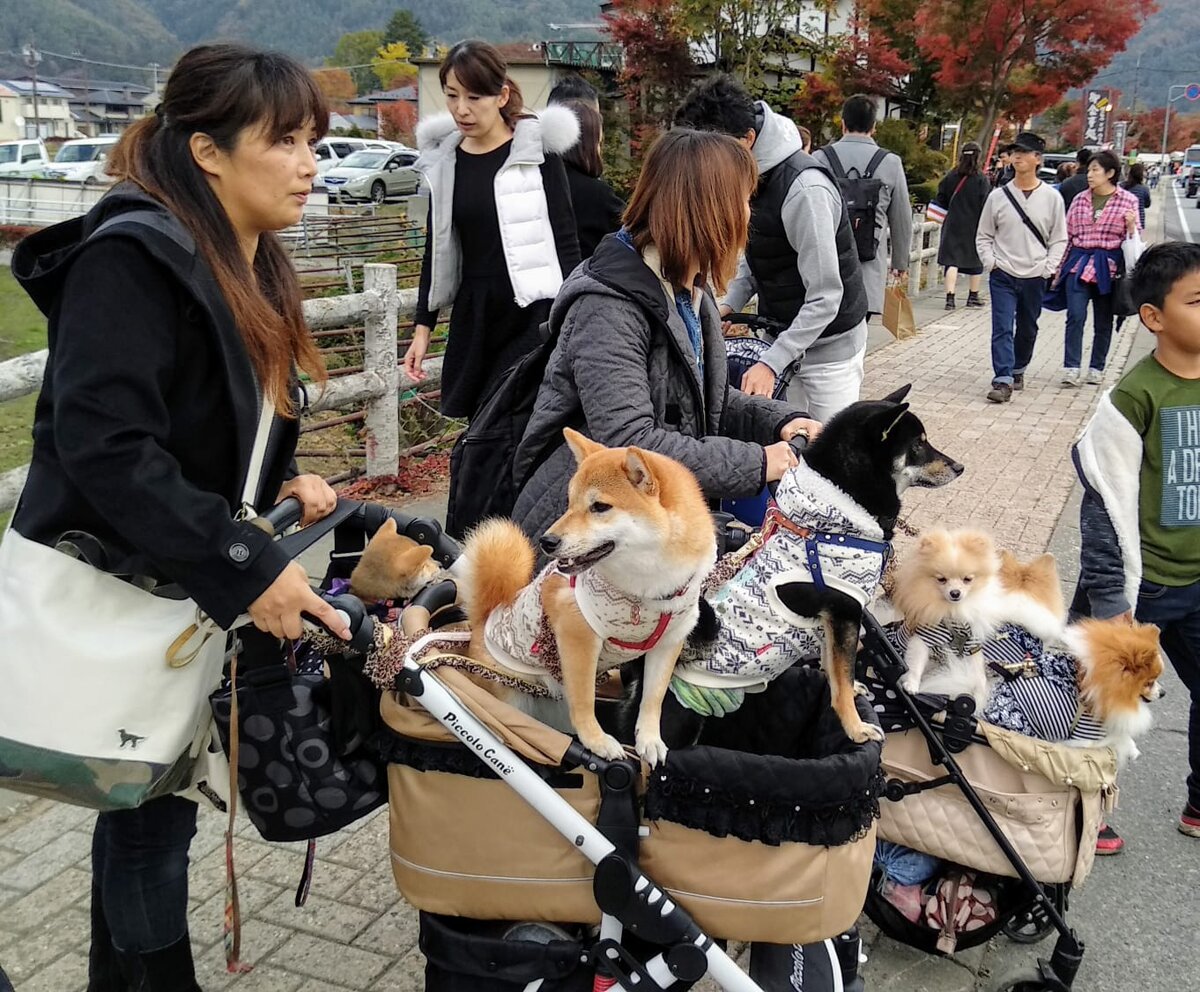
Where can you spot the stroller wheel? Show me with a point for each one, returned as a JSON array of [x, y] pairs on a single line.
[[1024, 979], [1029, 927]]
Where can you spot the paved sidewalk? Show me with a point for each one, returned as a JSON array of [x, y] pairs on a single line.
[[354, 933]]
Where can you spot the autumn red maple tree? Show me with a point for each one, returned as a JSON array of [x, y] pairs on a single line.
[[397, 121], [1016, 58], [657, 68]]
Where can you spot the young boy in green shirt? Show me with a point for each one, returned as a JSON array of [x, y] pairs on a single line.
[[1139, 461]]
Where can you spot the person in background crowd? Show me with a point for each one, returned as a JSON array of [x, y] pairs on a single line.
[[801, 260], [1098, 221], [1064, 172], [962, 193], [1136, 184], [805, 138], [640, 353], [1155, 175], [168, 329], [491, 169], [1003, 171], [573, 86], [1021, 239], [597, 208], [1074, 185], [893, 215]]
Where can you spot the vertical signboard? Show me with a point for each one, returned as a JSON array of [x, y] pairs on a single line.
[[1120, 136], [1096, 105]]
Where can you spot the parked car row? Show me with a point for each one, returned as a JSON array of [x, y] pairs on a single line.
[[79, 161]]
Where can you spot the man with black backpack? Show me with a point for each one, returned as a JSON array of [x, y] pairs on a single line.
[[801, 259], [876, 193]]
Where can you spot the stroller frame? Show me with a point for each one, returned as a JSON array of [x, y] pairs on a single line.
[[627, 898], [1056, 974]]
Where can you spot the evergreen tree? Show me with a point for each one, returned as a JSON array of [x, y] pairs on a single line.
[[404, 26]]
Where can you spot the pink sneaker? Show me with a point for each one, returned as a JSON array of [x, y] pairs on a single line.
[[1189, 821], [1108, 842]]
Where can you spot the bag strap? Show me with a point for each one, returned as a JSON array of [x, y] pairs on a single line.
[[232, 926], [835, 163], [957, 190], [1025, 217], [258, 454], [875, 163]]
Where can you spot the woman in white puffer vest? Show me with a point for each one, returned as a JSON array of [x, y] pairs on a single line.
[[501, 233]]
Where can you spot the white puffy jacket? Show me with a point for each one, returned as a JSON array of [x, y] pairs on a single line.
[[525, 229]]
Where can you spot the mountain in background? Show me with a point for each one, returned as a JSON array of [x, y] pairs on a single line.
[[143, 31], [1169, 44]]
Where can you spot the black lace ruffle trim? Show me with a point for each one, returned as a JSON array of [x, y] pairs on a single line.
[[700, 807]]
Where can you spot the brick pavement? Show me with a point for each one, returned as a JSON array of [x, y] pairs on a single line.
[[355, 934]]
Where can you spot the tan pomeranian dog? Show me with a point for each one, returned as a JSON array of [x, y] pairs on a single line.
[[1032, 596], [393, 566], [629, 558], [946, 588], [1119, 665]]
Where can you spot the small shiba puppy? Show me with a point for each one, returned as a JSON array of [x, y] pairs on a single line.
[[1119, 666], [946, 589], [392, 566], [629, 557]]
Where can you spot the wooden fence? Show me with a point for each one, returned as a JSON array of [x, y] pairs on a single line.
[[381, 308]]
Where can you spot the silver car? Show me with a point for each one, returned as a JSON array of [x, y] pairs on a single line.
[[373, 175]]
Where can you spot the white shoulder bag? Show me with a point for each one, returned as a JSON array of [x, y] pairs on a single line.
[[103, 686]]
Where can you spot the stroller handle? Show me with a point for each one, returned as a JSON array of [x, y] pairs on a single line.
[[284, 514]]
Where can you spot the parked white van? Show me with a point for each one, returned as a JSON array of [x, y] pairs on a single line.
[[26, 157], [82, 160]]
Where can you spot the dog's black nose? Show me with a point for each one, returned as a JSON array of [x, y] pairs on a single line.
[[955, 467], [550, 543], [956, 594]]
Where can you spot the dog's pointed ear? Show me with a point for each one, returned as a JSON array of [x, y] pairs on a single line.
[[882, 421], [414, 558], [388, 526], [580, 446], [898, 395], [639, 473]]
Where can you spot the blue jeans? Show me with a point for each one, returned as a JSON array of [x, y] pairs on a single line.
[[1016, 303], [140, 893], [1079, 295], [1175, 610]]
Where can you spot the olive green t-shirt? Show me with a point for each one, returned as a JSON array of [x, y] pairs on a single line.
[[1165, 411]]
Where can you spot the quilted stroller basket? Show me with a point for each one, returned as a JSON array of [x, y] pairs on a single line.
[[764, 831]]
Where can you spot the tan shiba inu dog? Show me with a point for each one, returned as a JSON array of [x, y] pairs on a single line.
[[630, 555]]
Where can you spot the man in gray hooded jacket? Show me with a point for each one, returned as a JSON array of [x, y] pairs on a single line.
[[801, 259]]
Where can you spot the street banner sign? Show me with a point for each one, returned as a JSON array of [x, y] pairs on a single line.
[[1096, 105], [1120, 134]]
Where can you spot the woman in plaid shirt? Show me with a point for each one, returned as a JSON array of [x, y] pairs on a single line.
[[1098, 221]]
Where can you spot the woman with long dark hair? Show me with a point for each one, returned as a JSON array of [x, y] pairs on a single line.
[[1098, 221], [501, 232], [175, 316], [1136, 184], [962, 193], [597, 208]]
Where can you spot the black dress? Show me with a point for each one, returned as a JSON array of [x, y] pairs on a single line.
[[488, 331], [964, 208], [597, 208]]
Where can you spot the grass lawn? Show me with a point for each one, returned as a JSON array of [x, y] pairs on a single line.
[[22, 329]]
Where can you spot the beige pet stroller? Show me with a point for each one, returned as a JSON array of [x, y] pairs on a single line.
[[1024, 812], [496, 816]]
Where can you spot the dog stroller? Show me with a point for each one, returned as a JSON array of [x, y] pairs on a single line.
[[1025, 812], [495, 816]]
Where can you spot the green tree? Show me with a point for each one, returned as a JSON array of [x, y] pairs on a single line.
[[393, 67], [358, 49], [404, 26]]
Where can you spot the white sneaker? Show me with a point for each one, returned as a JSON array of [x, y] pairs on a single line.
[[1070, 377], [1094, 377]]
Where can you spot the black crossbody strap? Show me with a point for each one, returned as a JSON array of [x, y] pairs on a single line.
[[875, 163], [1025, 217], [835, 163]]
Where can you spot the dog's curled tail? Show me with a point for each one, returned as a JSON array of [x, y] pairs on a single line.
[[499, 562]]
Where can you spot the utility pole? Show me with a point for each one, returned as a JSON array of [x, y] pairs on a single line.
[[32, 58], [1136, 74], [87, 91]]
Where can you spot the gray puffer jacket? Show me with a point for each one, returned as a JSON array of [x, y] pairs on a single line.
[[624, 373]]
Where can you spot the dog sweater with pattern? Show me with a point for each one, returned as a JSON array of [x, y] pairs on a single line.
[[759, 636], [520, 636]]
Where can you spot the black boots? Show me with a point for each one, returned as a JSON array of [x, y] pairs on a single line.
[[950, 301], [169, 969], [974, 302]]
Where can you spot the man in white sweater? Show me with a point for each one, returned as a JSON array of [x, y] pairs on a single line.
[[1022, 237]]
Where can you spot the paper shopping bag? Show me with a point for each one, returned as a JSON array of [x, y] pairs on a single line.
[[898, 313]]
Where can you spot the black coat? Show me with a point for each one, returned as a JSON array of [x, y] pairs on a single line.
[[597, 208], [148, 410], [957, 245]]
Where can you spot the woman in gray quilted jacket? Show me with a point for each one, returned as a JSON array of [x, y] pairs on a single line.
[[640, 358]]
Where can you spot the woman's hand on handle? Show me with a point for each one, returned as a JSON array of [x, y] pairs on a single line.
[[780, 458], [314, 494], [415, 356], [759, 380], [810, 429], [278, 610]]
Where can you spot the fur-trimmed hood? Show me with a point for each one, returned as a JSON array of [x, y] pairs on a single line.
[[550, 132]]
